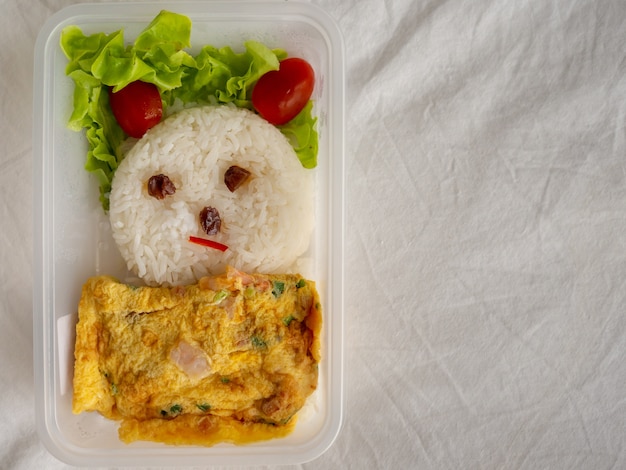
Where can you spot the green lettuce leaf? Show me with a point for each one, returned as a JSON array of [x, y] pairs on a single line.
[[224, 76], [82, 50], [104, 135], [302, 135], [101, 61], [166, 28]]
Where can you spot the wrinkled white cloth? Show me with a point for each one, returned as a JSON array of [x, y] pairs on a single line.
[[485, 248]]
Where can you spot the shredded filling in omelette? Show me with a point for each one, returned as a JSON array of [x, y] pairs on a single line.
[[229, 359]]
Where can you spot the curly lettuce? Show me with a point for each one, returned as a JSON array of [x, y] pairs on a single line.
[[158, 55], [302, 135]]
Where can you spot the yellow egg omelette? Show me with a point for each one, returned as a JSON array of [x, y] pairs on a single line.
[[229, 359]]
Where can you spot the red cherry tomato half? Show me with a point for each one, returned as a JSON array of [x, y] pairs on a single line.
[[137, 107], [281, 94]]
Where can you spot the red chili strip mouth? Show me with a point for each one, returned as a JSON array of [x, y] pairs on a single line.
[[208, 243]]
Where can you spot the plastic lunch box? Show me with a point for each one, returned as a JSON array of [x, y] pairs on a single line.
[[72, 238]]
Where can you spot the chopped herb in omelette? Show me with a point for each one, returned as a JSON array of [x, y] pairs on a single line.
[[258, 343], [203, 406], [278, 288], [219, 296]]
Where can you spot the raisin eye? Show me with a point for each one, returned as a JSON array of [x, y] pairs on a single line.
[[160, 186], [210, 220], [235, 176]]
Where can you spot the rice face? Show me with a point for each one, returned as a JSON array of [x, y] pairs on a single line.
[[266, 223]]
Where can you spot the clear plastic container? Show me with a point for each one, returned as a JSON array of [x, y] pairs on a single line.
[[73, 240]]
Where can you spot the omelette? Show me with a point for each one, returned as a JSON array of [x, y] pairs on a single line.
[[231, 358]]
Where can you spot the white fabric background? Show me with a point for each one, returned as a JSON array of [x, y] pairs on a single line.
[[485, 234]]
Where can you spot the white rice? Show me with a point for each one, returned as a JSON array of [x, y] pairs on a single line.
[[266, 223]]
